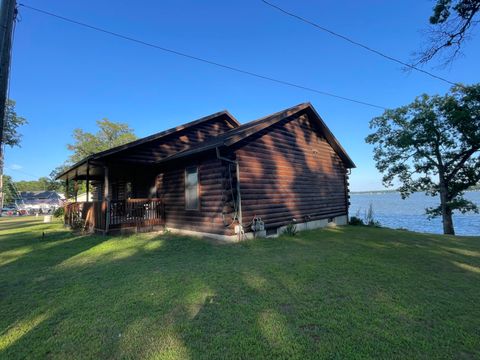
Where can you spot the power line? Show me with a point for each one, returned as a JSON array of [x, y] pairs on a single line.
[[377, 52], [228, 67]]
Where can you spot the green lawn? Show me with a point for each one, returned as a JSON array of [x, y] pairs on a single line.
[[334, 293]]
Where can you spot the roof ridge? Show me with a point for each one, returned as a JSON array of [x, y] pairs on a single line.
[[233, 136], [153, 137], [168, 132]]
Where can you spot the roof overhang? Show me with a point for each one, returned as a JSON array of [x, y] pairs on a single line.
[[264, 123], [243, 132], [96, 161]]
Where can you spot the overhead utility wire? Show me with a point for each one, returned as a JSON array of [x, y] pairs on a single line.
[[331, 32], [228, 67]]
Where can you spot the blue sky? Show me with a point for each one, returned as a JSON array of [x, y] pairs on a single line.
[[65, 76]]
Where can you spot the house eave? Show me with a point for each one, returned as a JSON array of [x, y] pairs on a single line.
[[71, 172]]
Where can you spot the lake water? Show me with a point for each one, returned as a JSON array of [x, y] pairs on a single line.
[[393, 212]]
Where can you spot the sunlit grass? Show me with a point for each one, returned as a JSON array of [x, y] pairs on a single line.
[[18, 330], [334, 293]]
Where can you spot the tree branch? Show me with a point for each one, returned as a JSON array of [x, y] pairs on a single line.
[[464, 159]]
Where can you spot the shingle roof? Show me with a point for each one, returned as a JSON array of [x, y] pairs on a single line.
[[40, 196], [224, 113], [231, 137], [242, 132]]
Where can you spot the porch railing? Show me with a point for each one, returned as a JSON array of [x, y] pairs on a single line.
[[115, 214], [136, 212]]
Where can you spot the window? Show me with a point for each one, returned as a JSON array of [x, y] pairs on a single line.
[[191, 189], [128, 190]]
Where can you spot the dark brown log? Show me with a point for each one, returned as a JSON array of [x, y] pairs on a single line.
[[290, 171]]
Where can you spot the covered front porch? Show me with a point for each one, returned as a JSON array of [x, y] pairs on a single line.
[[115, 215], [119, 196]]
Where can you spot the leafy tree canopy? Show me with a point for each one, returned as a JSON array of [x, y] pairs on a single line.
[[109, 135], [11, 136], [432, 145], [9, 196], [61, 184], [42, 184]]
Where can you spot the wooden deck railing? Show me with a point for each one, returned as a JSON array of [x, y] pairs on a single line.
[[136, 212], [87, 215], [121, 213]]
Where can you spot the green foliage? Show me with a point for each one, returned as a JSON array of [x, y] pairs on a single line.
[[464, 9], [81, 186], [59, 212], [451, 24], [42, 184], [356, 221], [432, 145], [109, 135], [367, 220], [9, 196], [11, 137], [12, 122], [77, 224], [291, 229]]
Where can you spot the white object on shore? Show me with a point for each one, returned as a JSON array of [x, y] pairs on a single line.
[[47, 218]]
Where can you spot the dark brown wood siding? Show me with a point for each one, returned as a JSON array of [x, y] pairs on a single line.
[[160, 149], [289, 171], [213, 192]]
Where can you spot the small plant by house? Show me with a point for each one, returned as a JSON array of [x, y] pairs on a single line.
[[367, 220], [370, 217], [291, 229], [59, 212], [355, 220], [77, 223]]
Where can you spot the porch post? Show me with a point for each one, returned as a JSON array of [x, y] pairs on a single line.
[[106, 197], [88, 179], [75, 189], [66, 207], [66, 188]]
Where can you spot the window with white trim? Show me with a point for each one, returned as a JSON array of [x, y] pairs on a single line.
[[192, 201]]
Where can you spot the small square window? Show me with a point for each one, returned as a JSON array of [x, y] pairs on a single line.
[[191, 189]]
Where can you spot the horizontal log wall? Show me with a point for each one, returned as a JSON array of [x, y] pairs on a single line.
[[289, 171], [212, 190]]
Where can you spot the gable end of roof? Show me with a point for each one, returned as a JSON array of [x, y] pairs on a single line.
[[254, 127]]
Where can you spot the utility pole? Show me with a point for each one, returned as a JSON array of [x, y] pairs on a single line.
[[7, 17]]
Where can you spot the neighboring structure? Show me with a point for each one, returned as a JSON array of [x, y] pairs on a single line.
[[216, 177], [83, 197], [39, 201]]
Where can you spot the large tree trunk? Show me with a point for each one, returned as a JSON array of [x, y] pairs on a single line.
[[448, 222], [446, 211]]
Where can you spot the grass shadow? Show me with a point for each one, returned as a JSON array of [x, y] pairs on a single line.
[[321, 293]]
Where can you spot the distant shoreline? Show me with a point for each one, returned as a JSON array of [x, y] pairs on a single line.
[[386, 191]]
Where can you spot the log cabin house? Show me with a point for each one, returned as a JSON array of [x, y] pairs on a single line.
[[217, 178]]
